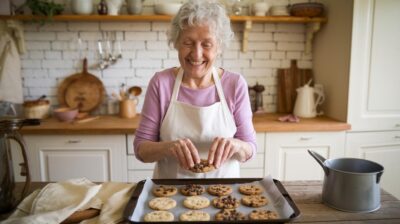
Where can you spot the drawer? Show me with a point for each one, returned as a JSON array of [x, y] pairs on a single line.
[[256, 162], [135, 164]]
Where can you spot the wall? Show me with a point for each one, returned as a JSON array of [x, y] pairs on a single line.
[[53, 54], [332, 57]]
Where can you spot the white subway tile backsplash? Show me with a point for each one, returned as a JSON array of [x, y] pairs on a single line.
[[36, 54], [42, 36], [37, 45], [53, 54], [125, 26]]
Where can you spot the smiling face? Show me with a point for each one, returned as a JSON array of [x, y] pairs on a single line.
[[197, 50]]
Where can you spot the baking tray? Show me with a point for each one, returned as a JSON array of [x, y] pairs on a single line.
[[132, 203]]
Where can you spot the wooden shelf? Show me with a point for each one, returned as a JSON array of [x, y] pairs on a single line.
[[122, 18], [313, 24]]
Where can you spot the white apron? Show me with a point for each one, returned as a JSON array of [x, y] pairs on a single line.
[[201, 125]]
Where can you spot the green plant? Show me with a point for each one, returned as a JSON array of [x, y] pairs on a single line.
[[44, 8]]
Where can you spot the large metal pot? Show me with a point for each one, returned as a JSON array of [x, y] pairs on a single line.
[[350, 184]]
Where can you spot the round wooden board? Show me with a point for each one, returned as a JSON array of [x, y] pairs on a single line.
[[81, 90]]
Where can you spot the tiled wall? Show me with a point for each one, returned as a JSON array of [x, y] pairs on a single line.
[[53, 54]]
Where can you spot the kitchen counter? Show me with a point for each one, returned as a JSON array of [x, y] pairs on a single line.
[[114, 125], [307, 196]]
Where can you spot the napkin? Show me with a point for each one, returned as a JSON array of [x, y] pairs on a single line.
[[57, 201]]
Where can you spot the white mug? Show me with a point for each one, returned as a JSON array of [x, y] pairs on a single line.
[[134, 6]]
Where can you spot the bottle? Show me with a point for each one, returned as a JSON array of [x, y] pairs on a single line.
[[102, 8]]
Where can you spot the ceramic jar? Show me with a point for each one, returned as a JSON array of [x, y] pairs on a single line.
[[114, 6], [134, 7], [82, 7], [260, 8]]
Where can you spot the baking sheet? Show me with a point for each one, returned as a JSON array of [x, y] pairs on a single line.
[[277, 202]]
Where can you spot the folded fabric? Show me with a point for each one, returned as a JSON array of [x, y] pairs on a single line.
[[57, 201]]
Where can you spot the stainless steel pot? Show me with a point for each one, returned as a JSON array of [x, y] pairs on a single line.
[[350, 184]]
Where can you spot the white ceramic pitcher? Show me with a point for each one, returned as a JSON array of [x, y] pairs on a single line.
[[307, 100]]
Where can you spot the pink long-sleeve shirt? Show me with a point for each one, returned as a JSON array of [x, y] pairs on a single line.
[[158, 97]]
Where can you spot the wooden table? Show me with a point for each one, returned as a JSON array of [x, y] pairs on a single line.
[[307, 195]]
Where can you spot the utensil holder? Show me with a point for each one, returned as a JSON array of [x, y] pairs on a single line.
[[127, 108]]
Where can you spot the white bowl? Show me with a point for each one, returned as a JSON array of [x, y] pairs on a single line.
[[167, 8]]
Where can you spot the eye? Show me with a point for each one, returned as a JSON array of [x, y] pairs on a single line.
[[207, 44], [187, 43]]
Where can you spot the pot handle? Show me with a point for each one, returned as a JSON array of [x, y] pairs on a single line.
[[378, 177], [320, 159]]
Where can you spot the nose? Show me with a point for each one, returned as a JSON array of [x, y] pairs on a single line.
[[197, 51]]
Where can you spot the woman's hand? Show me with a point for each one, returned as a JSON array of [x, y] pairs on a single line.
[[185, 152], [223, 149]]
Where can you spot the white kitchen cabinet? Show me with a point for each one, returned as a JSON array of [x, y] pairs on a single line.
[[255, 167], [137, 170], [381, 147], [287, 158], [60, 157], [374, 69]]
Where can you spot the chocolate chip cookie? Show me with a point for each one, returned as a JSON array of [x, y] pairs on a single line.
[[159, 216], [262, 214], [219, 190], [229, 215], [162, 203], [228, 202], [250, 189], [192, 190], [194, 215], [254, 200], [196, 202], [164, 191], [202, 167]]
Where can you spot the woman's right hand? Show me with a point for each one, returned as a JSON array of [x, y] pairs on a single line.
[[185, 152]]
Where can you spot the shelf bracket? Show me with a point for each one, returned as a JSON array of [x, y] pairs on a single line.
[[246, 29], [310, 30]]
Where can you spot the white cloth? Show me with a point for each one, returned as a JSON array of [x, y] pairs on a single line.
[[57, 201], [10, 62], [201, 125]]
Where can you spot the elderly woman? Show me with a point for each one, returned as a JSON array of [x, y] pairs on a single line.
[[197, 111]]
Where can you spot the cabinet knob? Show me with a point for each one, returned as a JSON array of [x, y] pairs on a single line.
[[73, 141], [397, 125], [305, 138], [397, 137]]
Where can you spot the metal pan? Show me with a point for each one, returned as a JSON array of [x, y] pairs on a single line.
[[131, 205]]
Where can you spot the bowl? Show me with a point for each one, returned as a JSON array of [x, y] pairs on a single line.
[[310, 9], [165, 8], [65, 114]]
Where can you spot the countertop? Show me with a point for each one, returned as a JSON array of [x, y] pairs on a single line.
[[114, 125], [307, 196]]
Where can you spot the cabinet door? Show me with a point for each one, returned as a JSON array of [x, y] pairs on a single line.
[[374, 71], [287, 158], [383, 148], [98, 158], [255, 166]]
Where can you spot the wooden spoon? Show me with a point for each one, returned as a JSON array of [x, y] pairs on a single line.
[[135, 90]]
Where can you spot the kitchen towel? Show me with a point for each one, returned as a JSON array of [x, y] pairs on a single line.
[[11, 44], [57, 201]]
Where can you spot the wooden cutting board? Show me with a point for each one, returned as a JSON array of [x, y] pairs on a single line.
[[81, 90], [288, 81]]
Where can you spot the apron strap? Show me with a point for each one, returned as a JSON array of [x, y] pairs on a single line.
[[218, 85]]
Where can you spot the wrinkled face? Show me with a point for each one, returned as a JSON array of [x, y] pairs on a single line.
[[197, 50]]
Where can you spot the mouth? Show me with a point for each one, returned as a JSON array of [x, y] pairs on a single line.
[[196, 63]]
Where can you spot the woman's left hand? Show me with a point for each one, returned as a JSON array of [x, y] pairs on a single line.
[[223, 149]]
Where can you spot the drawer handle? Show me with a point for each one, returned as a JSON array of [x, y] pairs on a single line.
[[397, 125], [74, 141], [305, 138], [397, 137]]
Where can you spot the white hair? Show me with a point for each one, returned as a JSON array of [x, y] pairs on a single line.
[[202, 12]]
